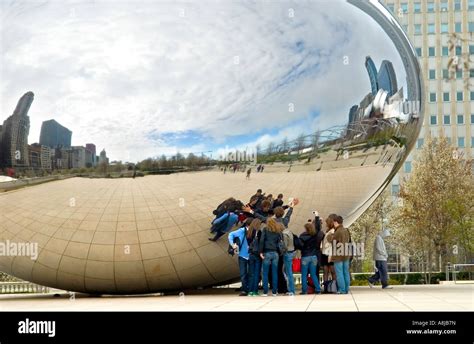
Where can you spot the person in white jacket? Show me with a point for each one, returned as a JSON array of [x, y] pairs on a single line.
[[380, 258]]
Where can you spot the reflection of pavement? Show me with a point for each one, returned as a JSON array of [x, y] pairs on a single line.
[[132, 235], [401, 298]]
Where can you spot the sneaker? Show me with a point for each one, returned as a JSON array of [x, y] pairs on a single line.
[[255, 294], [318, 292], [276, 294], [264, 295], [290, 293], [387, 287], [370, 284], [243, 293]]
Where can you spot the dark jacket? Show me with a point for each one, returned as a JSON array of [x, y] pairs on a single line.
[[319, 235], [254, 242], [269, 241], [309, 243], [277, 203]]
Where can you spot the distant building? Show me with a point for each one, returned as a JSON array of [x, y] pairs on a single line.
[[387, 79], [54, 134], [61, 158], [34, 155], [14, 135], [103, 157], [39, 156], [372, 70], [92, 149], [78, 157]]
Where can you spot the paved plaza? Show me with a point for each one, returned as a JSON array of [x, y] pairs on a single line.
[[151, 234], [458, 297]]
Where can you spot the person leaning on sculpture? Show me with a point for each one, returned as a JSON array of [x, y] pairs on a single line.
[[380, 258]]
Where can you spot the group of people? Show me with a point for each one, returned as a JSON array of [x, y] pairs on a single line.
[[266, 246]]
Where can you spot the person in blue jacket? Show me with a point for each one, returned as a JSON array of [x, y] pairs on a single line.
[[238, 241], [226, 222]]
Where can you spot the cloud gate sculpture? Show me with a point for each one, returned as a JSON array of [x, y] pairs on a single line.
[[344, 117]]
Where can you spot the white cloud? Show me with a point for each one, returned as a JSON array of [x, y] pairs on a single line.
[[113, 72]]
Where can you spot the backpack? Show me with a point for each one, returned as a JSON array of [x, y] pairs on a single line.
[[253, 244], [282, 249], [330, 287]]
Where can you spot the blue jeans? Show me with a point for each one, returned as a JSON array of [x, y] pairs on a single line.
[[381, 273], [288, 269], [309, 263], [243, 268], [255, 265], [343, 276], [271, 258]]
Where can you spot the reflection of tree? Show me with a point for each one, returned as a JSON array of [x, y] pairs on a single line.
[[284, 145], [462, 62], [300, 143]]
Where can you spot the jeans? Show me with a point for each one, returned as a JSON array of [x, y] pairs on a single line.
[[255, 265], [271, 258], [381, 273], [288, 269], [343, 276], [243, 268], [309, 263]]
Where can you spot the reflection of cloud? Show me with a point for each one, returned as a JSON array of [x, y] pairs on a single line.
[[139, 77]]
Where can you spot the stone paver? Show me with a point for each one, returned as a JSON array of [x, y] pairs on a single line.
[[401, 298]]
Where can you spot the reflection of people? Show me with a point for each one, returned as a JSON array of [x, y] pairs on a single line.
[[309, 258], [227, 221], [380, 257], [248, 173]]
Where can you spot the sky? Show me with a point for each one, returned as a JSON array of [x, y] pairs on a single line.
[[146, 78]]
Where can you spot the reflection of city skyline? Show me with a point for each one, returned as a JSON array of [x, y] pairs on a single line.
[[218, 98], [53, 152]]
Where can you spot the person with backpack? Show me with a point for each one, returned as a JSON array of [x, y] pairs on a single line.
[[282, 279], [309, 259], [288, 261], [238, 241], [269, 247], [255, 261]]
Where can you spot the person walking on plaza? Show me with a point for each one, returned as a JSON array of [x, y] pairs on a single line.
[[309, 258], [248, 173], [268, 249], [340, 255], [380, 258]]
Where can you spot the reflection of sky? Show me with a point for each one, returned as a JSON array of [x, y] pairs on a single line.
[[145, 79]]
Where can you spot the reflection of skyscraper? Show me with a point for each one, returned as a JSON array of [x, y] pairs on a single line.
[[92, 149], [387, 79], [353, 114], [54, 134], [372, 70], [14, 135]]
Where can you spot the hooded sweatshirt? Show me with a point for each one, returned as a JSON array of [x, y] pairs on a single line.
[[380, 252]]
